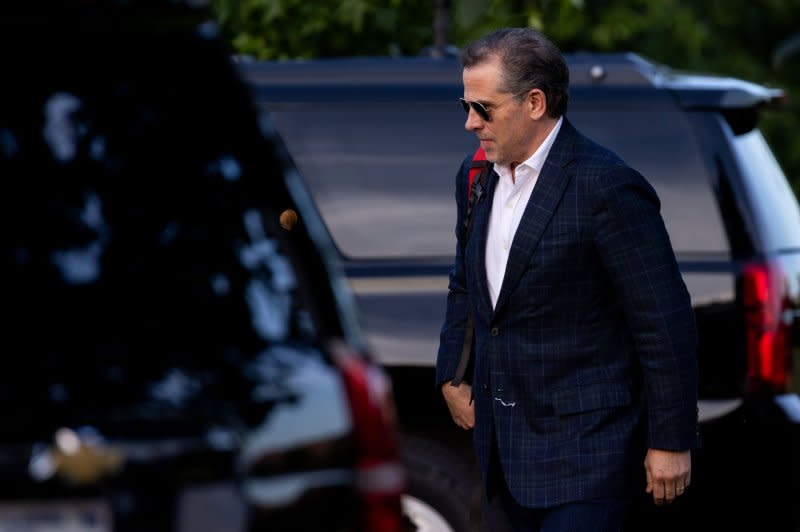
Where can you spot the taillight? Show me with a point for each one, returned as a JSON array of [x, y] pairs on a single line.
[[380, 471], [768, 330]]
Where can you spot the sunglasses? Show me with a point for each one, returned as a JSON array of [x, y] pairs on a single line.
[[480, 109]]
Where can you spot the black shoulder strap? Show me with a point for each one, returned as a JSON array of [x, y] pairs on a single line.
[[476, 187]]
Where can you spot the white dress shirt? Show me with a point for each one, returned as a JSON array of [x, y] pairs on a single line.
[[508, 205]]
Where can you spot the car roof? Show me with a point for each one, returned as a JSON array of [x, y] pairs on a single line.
[[608, 70]]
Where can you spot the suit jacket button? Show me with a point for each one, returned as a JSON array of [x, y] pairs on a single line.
[[495, 331]]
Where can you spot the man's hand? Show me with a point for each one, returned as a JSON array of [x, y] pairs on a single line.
[[459, 401], [669, 473]]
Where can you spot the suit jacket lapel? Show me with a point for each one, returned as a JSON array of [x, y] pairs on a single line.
[[544, 200]]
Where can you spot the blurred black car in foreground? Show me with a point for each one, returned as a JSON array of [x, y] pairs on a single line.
[[177, 355], [378, 140]]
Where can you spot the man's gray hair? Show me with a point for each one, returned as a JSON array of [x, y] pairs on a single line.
[[529, 61]]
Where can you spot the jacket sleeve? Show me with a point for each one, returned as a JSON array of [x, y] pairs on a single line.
[[636, 252], [451, 338]]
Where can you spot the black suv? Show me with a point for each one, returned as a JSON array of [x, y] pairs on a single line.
[[180, 350], [378, 141]]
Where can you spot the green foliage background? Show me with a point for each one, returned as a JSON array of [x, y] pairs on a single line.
[[758, 40]]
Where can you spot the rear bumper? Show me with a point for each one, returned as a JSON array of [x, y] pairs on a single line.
[[745, 475], [748, 470]]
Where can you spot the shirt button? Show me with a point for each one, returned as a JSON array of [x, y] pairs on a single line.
[[495, 331]]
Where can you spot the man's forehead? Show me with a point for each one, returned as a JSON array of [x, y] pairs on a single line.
[[482, 81]]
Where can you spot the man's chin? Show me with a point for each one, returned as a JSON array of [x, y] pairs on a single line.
[[492, 158]]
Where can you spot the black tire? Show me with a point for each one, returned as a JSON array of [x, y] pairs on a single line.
[[441, 479]]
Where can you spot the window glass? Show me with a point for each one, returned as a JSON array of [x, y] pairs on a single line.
[[146, 270], [383, 174], [773, 201], [660, 144]]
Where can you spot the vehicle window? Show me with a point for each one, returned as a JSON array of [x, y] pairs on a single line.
[[146, 259], [119, 292], [383, 174], [660, 145], [774, 203]]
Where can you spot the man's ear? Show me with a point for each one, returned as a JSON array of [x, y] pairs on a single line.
[[537, 104]]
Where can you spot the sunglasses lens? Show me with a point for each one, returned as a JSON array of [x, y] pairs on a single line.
[[477, 107], [481, 110]]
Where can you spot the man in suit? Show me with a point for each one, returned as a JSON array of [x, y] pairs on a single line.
[[584, 357]]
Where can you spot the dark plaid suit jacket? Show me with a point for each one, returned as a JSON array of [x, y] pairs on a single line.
[[589, 356]]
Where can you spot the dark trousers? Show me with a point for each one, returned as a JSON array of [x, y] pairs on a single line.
[[596, 515], [501, 511]]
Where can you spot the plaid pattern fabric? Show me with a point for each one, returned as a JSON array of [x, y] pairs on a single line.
[[589, 357]]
